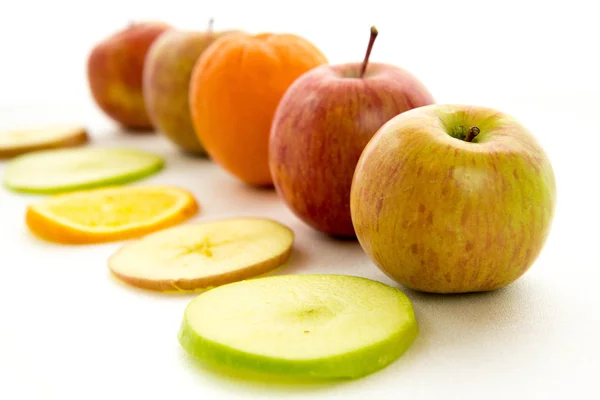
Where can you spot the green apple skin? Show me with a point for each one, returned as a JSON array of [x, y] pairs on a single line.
[[166, 81], [440, 214], [148, 164], [348, 365], [320, 128]]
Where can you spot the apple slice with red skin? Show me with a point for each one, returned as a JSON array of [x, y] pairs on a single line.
[[15, 142], [203, 255]]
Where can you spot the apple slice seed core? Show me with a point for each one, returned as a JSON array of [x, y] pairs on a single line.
[[202, 255]]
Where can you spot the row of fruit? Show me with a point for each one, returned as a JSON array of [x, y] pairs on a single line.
[[442, 198], [446, 198]]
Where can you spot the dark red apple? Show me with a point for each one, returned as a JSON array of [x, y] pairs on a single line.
[[320, 128], [115, 69]]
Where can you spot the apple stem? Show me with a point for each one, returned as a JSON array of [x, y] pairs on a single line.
[[374, 33], [210, 26], [474, 131]]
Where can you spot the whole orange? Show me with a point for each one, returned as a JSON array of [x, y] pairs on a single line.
[[235, 88]]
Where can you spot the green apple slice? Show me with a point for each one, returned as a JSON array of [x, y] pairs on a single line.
[[63, 170], [306, 326]]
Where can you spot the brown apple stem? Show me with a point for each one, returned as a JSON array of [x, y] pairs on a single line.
[[374, 33], [210, 25], [474, 131]]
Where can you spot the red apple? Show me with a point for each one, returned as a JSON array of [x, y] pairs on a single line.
[[115, 70], [320, 128]]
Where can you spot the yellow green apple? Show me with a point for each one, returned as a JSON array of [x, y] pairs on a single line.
[[453, 199], [166, 84]]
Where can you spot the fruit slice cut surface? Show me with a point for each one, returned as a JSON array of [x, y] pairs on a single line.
[[15, 142], [301, 326], [62, 170], [108, 214], [203, 255]]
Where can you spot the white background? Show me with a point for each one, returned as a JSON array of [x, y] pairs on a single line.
[[70, 331]]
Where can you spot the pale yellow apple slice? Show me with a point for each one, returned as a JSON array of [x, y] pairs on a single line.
[[15, 142], [203, 255]]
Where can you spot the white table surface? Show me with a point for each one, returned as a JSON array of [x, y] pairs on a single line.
[[68, 330], [67, 327]]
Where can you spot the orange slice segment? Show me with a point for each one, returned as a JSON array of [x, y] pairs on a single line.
[[109, 214]]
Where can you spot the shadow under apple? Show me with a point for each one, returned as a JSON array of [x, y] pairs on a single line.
[[453, 326], [231, 188], [315, 252], [464, 318]]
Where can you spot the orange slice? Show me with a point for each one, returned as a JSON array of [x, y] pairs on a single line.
[[109, 214]]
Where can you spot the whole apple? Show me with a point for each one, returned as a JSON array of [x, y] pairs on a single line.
[[115, 70], [453, 199], [321, 127], [166, 82]]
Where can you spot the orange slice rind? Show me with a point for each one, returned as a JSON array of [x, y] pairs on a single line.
[[109, 214]]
